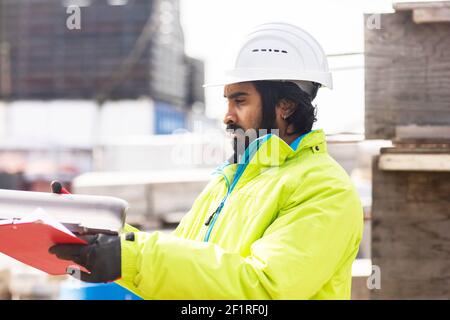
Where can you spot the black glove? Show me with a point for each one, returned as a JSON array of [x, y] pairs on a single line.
[[101, 256]]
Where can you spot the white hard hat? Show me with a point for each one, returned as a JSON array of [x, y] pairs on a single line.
[[279, 51]]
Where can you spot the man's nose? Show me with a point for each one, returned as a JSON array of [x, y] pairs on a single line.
[[229, 118]]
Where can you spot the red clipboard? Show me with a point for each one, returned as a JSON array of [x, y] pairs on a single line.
[[28, 242]]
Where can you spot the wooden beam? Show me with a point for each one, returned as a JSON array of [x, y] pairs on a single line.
[[408, 6], [410, 132], [426, 12], [431, 15], [414, 162]]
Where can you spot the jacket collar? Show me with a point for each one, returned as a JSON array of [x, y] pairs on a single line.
[[275, 151], [272, 151]]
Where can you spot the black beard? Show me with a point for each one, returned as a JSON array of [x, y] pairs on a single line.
[[239, 146]]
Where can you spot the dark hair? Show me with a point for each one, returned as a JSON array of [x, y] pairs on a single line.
[[272, 92]]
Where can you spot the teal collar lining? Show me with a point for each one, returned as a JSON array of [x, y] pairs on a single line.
[[294, 145]]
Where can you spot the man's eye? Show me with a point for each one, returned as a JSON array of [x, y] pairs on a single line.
[[239, 101]]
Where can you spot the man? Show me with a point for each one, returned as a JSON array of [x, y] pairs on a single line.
[[281, 220]]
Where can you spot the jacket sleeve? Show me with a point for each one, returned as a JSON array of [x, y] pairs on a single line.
[[299, 252]]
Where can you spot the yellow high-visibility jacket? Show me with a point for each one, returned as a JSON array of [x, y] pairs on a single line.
[[287, 224]]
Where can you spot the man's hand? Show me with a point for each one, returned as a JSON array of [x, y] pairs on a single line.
[[101, 256]]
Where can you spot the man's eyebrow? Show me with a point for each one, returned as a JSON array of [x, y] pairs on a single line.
[[236, 94]]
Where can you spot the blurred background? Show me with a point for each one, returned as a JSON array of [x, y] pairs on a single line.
[[116, 107]]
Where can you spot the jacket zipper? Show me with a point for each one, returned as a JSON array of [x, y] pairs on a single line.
[[207, 223], [213, 217], [240, 170], [210, 218]]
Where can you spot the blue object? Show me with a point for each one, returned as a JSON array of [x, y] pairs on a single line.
[[296, 142], [168, 118], [77, 290]]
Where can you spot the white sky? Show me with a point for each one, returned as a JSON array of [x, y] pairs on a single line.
[[214, 28]]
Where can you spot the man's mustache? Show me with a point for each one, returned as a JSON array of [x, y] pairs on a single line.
[[234, 127]]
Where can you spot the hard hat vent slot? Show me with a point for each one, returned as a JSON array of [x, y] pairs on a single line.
[[270, 50]]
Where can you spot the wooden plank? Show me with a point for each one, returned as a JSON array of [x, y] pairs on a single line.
[[431, 15], [408, 6], [415, 162], [414, 147], [413, 131]]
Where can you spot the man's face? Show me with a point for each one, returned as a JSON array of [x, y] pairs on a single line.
[[244, 113]]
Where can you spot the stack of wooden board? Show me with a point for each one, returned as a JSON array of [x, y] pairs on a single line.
[[408, 101]]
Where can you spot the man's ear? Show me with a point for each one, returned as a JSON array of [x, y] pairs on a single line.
[[284, 109]]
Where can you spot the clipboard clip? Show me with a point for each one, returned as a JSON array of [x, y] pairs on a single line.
[[80, 230]]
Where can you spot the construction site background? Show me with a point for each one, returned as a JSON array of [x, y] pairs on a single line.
[[117, 108]]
